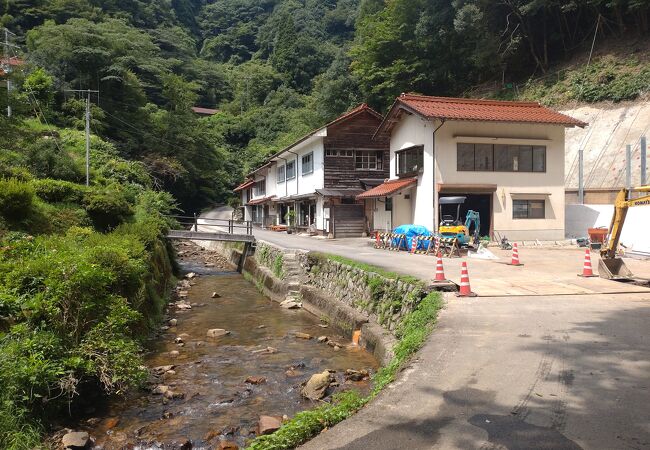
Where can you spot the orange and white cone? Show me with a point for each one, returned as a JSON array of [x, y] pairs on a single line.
[[587, 271], [515, 256], [414, 244], [440, 271], [465, 290]]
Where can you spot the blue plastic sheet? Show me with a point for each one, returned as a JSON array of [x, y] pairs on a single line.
[[412, 232]]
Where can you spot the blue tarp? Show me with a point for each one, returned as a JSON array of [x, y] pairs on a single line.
[[412, 232]]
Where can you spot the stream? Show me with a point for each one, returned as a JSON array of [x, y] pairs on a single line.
[[218, 387]]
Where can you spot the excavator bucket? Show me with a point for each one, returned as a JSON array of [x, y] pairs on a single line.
[[613, 269]]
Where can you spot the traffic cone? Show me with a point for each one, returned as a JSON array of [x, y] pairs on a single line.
[[465, 290], [414, 244], [440, 271], [587, 271], [515, 256]]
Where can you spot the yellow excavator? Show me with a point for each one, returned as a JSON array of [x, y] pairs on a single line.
[[610, 265]]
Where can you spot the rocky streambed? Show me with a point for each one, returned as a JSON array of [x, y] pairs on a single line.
[[228, 364]]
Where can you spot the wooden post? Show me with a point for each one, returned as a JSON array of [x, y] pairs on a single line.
[[196, 223]]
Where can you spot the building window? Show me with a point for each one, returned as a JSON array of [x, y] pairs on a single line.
[[260, 188], [339, 153], [280, 174], [308, 163], [368, 160], [500, 158], [528, 209], [409, 161], [291, 170]]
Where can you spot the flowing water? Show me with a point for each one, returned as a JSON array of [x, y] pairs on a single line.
[[211, 373]]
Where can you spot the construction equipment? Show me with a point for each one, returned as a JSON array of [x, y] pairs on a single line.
[[453, 228], [610, 265]]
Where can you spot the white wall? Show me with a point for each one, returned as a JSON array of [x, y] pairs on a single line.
[[634, 235], [411, 131], [302, 184]]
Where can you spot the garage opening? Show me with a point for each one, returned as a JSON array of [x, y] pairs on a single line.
[[482, 203]]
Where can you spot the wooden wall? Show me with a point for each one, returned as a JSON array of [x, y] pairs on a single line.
[[354, 133]]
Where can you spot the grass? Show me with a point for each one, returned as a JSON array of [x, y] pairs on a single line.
[[366, 267], [412, 334]]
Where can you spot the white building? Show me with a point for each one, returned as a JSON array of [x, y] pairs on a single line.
[[507, 158], [317, 178]]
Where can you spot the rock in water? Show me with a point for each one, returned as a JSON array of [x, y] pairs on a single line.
[[76, 440], [227, 445], [356, 375], [302, 335], [255, 380], [317, 386], [290, 304], [190, 276], [322, 339], [215, 295], [173, 322], [217, 332], [268, 424]]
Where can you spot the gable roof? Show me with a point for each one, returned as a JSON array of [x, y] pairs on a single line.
[[204, 111], [246, 184], [362, 108], [467, 109]]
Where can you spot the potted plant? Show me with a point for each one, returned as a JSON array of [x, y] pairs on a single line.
[[291, 220]]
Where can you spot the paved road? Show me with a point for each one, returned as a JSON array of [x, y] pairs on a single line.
[[512, 372], [545, 373]]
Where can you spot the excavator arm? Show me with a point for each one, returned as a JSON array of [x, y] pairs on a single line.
[[621, 205], [473, 217], [610, 266]]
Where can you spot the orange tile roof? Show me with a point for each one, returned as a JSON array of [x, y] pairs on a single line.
[[388, 188], [448, 108], [259, 201], [244, 185]]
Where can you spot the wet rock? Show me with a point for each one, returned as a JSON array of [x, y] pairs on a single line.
[[179, 340], [322, 339], [317, 385], [265, 351], [268, 424], [171, 395], [112, 423], [75, 440], [182, 306], [300, 335], [323, 325], [167, 415], [169, 373], [356, 375], [173, 322], [259, 327], [211, 435], [191, 276], [227, 445], [255, 380], [164, 328], [162, 369], [161, 389], [217, 332], [333, 343], [174, 354], [215, 295], [184, 444], [183, 294], [290, 304]]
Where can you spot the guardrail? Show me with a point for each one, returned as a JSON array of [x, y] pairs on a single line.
[[221, 225]]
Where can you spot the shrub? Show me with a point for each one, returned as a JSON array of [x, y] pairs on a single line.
[[107, 207], [59, 191], [16, 199]]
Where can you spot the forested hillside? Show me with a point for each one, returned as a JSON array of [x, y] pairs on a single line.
[[278, 68]]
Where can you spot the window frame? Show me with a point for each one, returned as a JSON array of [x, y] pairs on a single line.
[[339, 153], [291, 164], [528, 209], [302, 164], [282, 172], [507, 158], [378, 157], [416, 149], [257, 191]]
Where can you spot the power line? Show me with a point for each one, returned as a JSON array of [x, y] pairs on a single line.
[[88, 92]]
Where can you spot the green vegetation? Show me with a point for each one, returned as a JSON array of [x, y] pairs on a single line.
[[606, 78], [84, 277], [412, 334], [365, 267]]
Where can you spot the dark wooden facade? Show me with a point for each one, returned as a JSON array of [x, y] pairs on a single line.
[[354, 134]]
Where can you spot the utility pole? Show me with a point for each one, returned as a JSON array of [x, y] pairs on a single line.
[[88, 92], [6, 64], [581, 180]]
